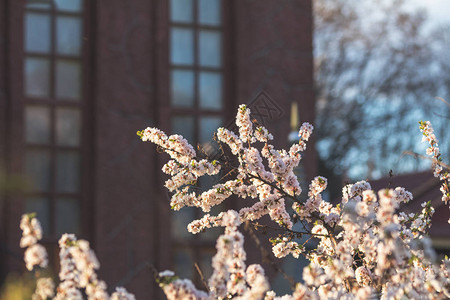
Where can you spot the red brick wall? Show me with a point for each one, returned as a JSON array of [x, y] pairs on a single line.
[[274, 54], [125, 231]]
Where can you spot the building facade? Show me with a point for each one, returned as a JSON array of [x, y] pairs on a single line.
[[78, 78]]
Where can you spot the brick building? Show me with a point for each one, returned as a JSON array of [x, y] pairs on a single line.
[[79, 78]]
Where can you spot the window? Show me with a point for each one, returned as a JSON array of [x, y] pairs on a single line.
[[197, 105], [53, 118]]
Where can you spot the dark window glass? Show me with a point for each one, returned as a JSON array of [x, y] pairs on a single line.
[[181, 11], [68, 126], [180, 221], [37, 124], [210, 48], [68, 80], [67, 211], [37, 29], [37, 168], [208, 125], [182, 88], [205, 262], [68, 35], [184, 263], [184, 125], [68, 172], [210, 85], [209, 12], [182, 41], [37, 77]]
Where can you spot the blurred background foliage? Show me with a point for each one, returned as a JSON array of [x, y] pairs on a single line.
[[18, 287], [14, 183], [379, 66]]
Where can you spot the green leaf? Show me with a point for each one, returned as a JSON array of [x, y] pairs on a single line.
[[31, 215]]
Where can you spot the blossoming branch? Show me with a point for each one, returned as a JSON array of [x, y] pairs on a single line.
[[362, 248], [366, 246], [78, 267]]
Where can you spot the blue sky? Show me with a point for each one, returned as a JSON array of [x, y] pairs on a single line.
[[439, 10]]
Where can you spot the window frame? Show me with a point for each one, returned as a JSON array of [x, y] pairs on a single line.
[[197, 245], [84, 105]]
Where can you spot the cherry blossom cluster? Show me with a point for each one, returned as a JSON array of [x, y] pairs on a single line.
[[184, 169], [45, 288], [244, 123], [78, 270], [365, 246], [35, 254], [371, 250], [78, 267], [433, 151], [283, 247], [266, 175], [231, 278], [175, 145], [315, 207], [176, 288]]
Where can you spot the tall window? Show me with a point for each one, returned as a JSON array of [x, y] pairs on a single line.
[[53, 93], [196, 94]]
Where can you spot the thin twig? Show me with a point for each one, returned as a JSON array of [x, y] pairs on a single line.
[[290, 230], [443, 100], [417, 155], [202, 278]]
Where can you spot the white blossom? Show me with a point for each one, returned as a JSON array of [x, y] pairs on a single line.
[[45, 288]]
